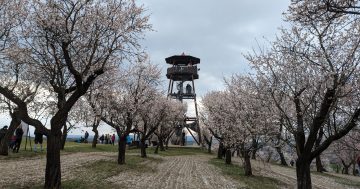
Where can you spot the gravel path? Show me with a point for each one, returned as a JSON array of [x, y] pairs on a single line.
[[177, 172]]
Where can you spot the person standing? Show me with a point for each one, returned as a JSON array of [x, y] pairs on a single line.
[[102, 138], [18, 134], [38, 139], [3, 132], [106, 138], [86, 137], [188, 89], [113, 139]]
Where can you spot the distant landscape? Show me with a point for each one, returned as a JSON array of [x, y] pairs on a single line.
[[71, 138]]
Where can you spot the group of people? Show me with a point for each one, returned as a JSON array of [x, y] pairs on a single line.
[[15, 140], [83, 139], [107, 139]]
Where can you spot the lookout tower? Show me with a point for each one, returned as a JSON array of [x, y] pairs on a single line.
[[183, 72]]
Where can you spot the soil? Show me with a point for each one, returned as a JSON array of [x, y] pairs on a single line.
[[178, 172]]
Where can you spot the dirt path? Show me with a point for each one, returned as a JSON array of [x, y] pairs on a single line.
[[177, 172], [25, 172], [288, 175]]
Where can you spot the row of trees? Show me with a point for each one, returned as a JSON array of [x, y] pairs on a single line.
[[303, 91], [68, 61]]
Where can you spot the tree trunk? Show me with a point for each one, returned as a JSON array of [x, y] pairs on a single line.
[[161, 144], [122, 149], [209, 145], [156, 149], [346, 170], [220, 151], [4, 143], [53, 169], [96, 136], [303, 174], [337, 168], [167, 144], [319, 167], [281, 154], [253, 154], [268, 156], [168, 139], [64, 136], [143, 148], [228, 156], [354, 169], [345, 167], [247, 163], [254, 148]]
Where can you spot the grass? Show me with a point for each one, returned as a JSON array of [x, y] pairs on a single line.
[[95, 174], [28, 153], [86, 147], [340, 180], [335, 167], [252, 182], [173, 151], [72, 147]]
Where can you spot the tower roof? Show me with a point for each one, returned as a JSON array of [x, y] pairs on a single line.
[[182, 60]]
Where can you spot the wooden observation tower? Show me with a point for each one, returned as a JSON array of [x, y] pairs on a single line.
[[183, 72]]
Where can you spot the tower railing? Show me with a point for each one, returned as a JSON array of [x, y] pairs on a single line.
[[182, 73]]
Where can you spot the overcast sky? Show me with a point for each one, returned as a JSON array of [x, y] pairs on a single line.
[[217, 32]]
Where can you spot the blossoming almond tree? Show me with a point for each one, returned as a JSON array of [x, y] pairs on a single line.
[[308, 10], [27, 94], [10, 20], [168, 127], [236, 116], [160, 112], [207, 135], [206, 124], [124, 103], [316, 67], [96, 100], [23, 86], [220, 120], [69, 44], [253, 111], [347, 150]]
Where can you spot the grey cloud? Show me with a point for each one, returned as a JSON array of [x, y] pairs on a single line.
[[217, 32]]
